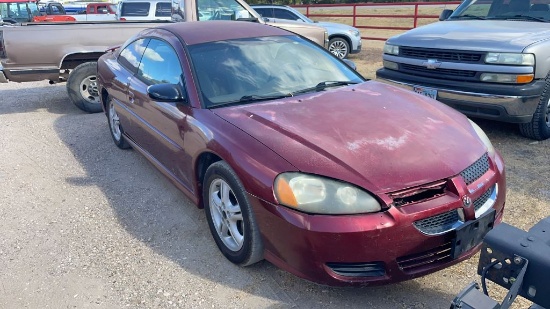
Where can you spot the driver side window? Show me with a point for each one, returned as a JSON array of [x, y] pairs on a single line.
[[160, 64]]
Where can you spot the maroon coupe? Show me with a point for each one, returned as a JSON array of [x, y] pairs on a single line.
[[298, 159]]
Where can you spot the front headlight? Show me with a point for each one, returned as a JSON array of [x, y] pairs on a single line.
[[354, 32], [319, 195], [391, 49], [483, 137], [510, 58]]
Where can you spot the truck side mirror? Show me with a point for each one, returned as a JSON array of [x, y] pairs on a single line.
[[445, 14]]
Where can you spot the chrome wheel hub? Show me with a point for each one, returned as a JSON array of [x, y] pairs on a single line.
[[226, 214], [89, 89]]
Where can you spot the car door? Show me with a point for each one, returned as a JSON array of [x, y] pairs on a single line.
[[161, 125], [127, 64]]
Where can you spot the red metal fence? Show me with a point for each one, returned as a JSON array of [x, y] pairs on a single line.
[[366, 6]]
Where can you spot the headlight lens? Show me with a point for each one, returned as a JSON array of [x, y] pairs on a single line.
[[506, 78], [319, 195], [510, 58], [483, 137], [390, 65], [354, 32], [391, 49]]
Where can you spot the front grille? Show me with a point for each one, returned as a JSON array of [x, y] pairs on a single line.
[[418, 194], [439, 54], [476, 170], [438, 72], [429, 258], [438, 224], [374, 269], [482, 199]]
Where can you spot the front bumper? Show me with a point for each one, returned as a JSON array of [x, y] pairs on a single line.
[[369, 249], [508, 103], [356, 46]]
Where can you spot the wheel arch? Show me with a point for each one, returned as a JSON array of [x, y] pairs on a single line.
[[341, 36], [71, 61], [204, 160], [104, 96]]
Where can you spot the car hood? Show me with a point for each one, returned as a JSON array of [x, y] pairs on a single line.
[[374, 135], [335, 26], [476, 35]]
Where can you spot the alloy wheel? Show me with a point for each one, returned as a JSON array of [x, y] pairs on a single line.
[[226, 214]]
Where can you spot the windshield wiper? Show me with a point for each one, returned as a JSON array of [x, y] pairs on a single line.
[[525, 17], [324, 85], [468, 16], [253, 98]]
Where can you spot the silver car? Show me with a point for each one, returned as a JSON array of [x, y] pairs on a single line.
[[343, 39]]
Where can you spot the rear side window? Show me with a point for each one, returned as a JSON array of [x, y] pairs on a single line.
[[135, 9], [131, 55], [284, 14], [163, 9]]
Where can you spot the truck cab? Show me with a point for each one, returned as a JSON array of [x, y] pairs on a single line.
[[488, 59], [190, 10], [18, 11]]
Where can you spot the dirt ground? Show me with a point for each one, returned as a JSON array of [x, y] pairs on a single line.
[[86, 225]]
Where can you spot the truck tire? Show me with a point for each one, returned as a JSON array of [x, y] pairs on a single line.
[[83, 89], [539, 127], [339, 47]]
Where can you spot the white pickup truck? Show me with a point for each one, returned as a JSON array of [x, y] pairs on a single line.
[[488, 59], [71, 54]]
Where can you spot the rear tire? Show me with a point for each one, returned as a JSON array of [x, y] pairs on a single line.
[[230, 216], [539, 127], [82, 87]]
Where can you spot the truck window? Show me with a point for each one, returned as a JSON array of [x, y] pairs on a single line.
[[20, 12], [221, 10], [135, 9], [163, 9], [159, 64]]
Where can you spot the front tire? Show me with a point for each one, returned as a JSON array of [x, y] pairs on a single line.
[[230, 216], [82, 87], [539, 127], [117, 133], [339, 47]]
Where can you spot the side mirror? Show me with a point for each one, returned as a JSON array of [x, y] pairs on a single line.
[[445, 14], [350, 64], [166, 93]]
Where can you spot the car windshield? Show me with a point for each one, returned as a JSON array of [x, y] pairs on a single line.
[[536, 10], [254, 69]]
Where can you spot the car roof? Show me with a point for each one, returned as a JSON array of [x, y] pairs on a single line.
[[197, 32]]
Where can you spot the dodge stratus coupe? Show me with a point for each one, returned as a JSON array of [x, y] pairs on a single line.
[[298, 159]]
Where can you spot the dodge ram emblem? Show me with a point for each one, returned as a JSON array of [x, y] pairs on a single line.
[[467, 201], [431, 64]]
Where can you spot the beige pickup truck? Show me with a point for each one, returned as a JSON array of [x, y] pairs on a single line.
[[67, 52]]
